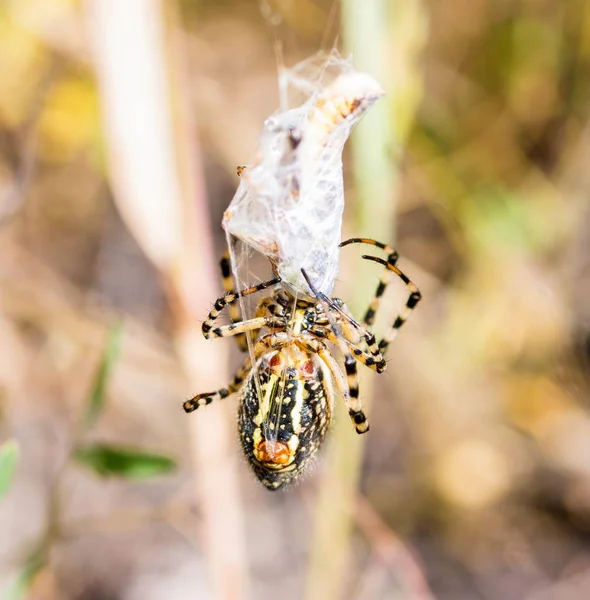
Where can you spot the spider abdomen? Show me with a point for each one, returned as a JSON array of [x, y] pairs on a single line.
[[284, 413]]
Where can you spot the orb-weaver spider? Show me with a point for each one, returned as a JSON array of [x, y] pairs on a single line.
[[287, 399]]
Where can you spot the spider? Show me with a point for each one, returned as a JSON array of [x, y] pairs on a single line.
[[287, 399]]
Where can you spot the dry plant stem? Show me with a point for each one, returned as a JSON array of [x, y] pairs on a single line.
[[365, 28], [214, 442], [151, 163]]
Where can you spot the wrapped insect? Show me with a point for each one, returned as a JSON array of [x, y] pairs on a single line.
[[290, 200]]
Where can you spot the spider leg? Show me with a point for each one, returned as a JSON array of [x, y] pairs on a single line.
[[349, 326], [355, 405], [354, 333], [208, 397], [390, 270], [347, 386], [350, 387], [266, 343], [392, 258], [413, 299], [227, 300], [234, 307], [242, 327], [358, 353]]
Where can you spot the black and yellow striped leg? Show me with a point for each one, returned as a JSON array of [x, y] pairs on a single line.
[[358, 353], [349, 390], [392, 258], [227, 300], [390, 269], [350, 327], [355, 406], [263, 345], [240, 328], [413, 299], [206, 398], [234, 308], [346, 386]]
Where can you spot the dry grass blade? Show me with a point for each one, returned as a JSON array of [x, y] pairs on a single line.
[[157, 194]]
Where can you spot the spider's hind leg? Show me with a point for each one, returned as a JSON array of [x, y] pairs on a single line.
[[265, 344], [206, 398]]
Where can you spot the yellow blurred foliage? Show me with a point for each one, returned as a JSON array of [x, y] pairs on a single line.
[[534, 402], [533, 93], [70, 121], [472, 473]]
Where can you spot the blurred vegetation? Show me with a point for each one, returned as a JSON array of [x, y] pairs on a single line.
[[478, 459]]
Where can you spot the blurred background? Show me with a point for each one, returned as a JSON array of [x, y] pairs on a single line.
[[121, 125]]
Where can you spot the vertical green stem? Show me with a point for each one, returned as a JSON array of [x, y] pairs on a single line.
[[365, 30], [374, 178], [368, 29]]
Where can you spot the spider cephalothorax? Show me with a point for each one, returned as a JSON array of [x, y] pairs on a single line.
[[287, 382]]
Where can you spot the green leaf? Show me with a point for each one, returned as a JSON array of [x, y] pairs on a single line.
[[108, 460], [8, 459], [19, 586], [101, 379]]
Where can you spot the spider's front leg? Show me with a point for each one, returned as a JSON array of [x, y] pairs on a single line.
[[210, 331]]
